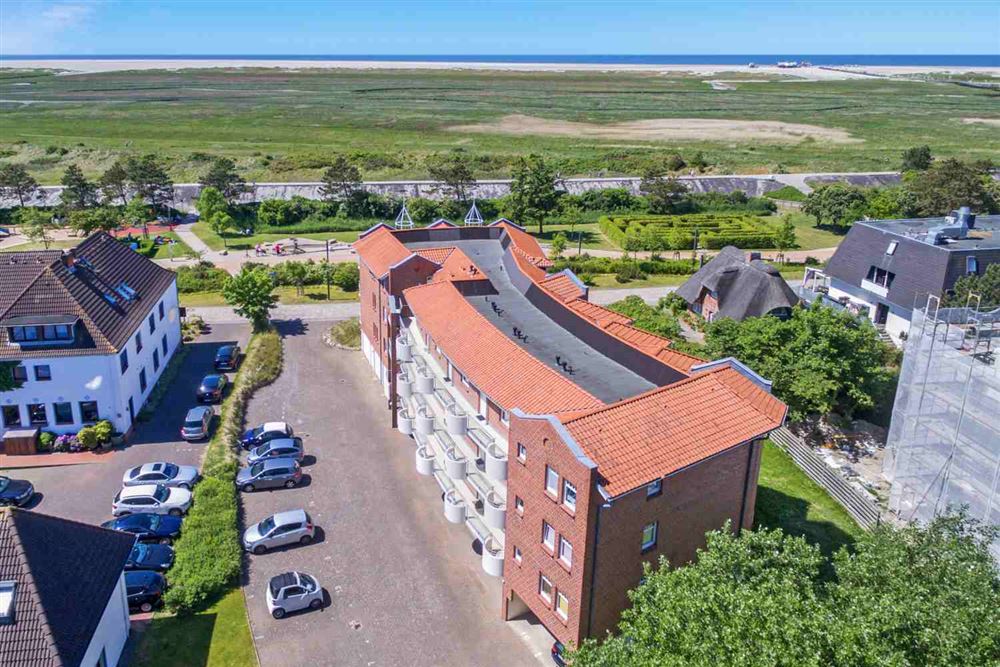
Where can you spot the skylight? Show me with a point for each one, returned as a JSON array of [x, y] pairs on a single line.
[[892, 247], [7, 591]]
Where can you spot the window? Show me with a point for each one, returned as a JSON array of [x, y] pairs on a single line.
[[138, 342], [892, 247], [36, 414], [11, 416], [971, 266], [163, 345], [43, 373], [522, 452], [569, 495], [142, 380], [562, 606], [161, 310], [649, 536], [551, 482], [545, 588], [20, 374], [152, 323], [123, 361], [156, 360], [63, 413], [519, 505], [88, 412], [548, 536], [464, 381], [881, 277], [654, 489], [517, 555], [505, 418], [24, 334], [565, 551]]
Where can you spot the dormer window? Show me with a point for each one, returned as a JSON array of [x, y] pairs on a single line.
[[8, 592], [24, 331], [971, 266]]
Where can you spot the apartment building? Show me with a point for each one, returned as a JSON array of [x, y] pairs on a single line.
[[572, 445], [85, 332]]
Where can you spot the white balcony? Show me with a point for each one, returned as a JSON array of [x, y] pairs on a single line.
[[875, 288]]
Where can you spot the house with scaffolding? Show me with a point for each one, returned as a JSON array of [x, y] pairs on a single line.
[[943, 449]]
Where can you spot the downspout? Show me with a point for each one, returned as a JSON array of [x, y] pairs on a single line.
[[593, 567], [393, 398], [746, 486]]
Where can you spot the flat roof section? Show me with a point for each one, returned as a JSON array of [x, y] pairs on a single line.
[[542, 337], [985, 234]]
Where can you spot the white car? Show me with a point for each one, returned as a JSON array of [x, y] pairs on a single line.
[[293, 591], [151, 499], [167, 474]]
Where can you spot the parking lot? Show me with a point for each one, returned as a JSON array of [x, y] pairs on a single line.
[[404, 585], [84, 492]]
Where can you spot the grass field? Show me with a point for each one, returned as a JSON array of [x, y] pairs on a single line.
[[284, 125], [233, 242], [286, 295]]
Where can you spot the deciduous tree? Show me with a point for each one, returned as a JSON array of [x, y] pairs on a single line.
[[836, 204], [209, 202], [950, 184], [220, 223], [37, 224], [78, 193], [784, 238], [251, 294], [100, 218], [17, 183], [533, 193], [347, 276], [136, 214], [222, 176], [917, 158]]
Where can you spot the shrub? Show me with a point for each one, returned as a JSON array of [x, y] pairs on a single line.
[[87, 437], [347, 276], [347, 334], [648, 318], [46, 439], [676, 232], [629, 271], [202, 277], [103, 430]]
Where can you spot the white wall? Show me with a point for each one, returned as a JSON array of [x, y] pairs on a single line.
[[99, 377], [375, 361], [896, 324], [112, 632]]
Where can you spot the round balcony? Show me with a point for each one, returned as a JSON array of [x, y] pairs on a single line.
[[404, 349], [492, 557], [454, 507], [456, 421], [425, 421], [404, 422], [455, 464], [425, 382], [404, 385], [425, 460], [495, 510], [496, 463]]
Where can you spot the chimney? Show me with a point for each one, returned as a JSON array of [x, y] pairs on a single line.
[[69, 258], [754, 255], [965, 217]]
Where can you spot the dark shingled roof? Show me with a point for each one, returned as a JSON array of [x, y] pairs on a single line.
[[744, 289], [40, 284], [65, 573]]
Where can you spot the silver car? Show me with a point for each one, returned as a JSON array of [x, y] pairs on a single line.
[[293, 591], [161, 472], [151, 499], [197, 423], [269, 474], [282, 448], [278, 530]]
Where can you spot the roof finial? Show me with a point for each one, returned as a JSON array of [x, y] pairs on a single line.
[[473, 218], [403, 220]]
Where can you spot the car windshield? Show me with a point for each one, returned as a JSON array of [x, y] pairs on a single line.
[[225, 352], [266, 526], [4, 481], [139, 553], [308, 582], [257, 451], [170, 470], [134, 472], [256, 468], [192, 423], [162, 493], [210, 382], [254, 432], [154, 521]]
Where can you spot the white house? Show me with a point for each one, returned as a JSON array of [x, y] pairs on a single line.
[[86, 333], [51, 611]]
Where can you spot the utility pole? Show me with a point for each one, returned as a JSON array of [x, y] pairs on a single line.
[[327, 271]]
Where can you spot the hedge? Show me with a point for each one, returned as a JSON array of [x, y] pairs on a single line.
[[676, 232], [581, 264], [208, 552]]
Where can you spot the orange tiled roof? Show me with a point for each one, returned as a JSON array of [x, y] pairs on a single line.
[[436, 255], [526, 264], [380, 250], [649, 436], [562, 287], [653, 345], [522, 239], [596, 314], [458, 266], [496, 365]]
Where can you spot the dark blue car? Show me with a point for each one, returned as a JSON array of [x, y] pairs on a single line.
[[144, 589], [148, 527], [227, 358], [150, 557]]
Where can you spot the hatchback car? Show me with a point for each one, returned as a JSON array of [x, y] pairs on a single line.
[[151, 499], [148, 527], [197, 423], [150, 557], [15, 491], [144, 589], [163, 473], [266, 432], [278, 530], [212, 388], [293, 591], [281, 448], [269, 474], [227, 358]]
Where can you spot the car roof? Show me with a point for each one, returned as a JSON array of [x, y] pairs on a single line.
[[279, 462], [138, 491], [283, 442], [290, 516], [143, 577], [275, 426], [197, 413], [213, 376], [156, 466], [227, 349]]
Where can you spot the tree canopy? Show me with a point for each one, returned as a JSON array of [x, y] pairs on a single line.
[[78, 193], [114, 183], [986, 285], [819, 360], [251, 294], [917, 158], [209, 202], [836, 204], [17, 183], [222, 176], [658, 320], [37, 224], [533, 192], [912, 596], [148, 179], [663, 192], [341, 180], [452, 170], [949, 184]]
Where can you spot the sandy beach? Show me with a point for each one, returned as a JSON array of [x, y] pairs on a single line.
[[813, 73]]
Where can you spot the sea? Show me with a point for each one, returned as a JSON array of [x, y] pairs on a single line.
[[838, 60]]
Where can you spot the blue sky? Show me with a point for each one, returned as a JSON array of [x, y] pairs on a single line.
[[272, 27]]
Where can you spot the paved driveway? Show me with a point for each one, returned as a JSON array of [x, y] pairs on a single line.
[[405, 587], [84, 492]]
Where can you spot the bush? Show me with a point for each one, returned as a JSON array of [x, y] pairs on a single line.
[[629, 271], [103, 430], [346, 334], [585, 264], [644, 316], [347, 276], [45, 441], [202, 277], [87, 437]]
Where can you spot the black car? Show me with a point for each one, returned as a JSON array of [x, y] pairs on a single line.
[[150, 557], [144, 589], [227, 358], [559, 654], [211, 388], [15, 491], [161, 528]]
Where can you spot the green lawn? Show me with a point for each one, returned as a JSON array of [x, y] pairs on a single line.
[[216, 637], [180, 249], [809, 237], [286, 295], [240, 242], [789, 500], [591, 233]]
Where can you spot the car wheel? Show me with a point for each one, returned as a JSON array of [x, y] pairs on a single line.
[[175, 512], [184, 485], [290, 484], [316, 604], [278, 613], [248, 488], [122, 513], [305, 539], [146, 607], [259, 549], [165, 540]]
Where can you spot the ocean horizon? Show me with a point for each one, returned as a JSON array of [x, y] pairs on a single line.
[[829, 60]]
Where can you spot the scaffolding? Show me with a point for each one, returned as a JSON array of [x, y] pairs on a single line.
[[943, 449]]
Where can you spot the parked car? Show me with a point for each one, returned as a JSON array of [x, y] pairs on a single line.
[[150, 557], [212, 388], [15, 491], [269, 474], [152, 499], [559, 654], [144, 589], [161, 472], [280, 448], [266, 432], [293, 591], [278, 530], [227, 358], [148, 527], [197, 423]]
